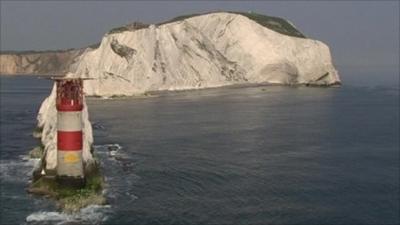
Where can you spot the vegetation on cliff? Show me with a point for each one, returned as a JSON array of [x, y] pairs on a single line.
[[274, 23]]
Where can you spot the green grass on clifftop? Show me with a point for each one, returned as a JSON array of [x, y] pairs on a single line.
[[274, 23]]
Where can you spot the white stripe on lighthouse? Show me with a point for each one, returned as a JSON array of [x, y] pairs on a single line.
[[69, 121], [69, 162]]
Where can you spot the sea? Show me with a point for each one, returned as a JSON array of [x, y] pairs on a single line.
[[251, 155]]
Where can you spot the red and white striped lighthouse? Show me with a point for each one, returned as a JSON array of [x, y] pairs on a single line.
[[69, 103]]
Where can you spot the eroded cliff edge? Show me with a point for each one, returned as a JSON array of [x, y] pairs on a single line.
[[38, 62]]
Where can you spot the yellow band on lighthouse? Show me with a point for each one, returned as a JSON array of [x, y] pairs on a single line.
[[71, 157]]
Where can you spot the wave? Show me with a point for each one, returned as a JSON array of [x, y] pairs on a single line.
[[112, 149], [98, 126], [17, 170], [93, 214]]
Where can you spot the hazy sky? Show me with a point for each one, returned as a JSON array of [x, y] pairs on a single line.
[[358, 32]]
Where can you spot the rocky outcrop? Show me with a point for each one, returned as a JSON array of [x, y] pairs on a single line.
[[38, 63]]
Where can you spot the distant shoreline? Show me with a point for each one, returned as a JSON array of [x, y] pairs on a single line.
[[28, 75]]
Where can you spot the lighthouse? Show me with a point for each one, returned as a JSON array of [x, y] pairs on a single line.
[[69, 104]]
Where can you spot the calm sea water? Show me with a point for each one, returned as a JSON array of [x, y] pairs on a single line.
[[259, 155]]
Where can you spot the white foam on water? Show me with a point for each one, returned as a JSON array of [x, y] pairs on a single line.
[[18, 170], [112, 149], [47, 216], [93, 214]]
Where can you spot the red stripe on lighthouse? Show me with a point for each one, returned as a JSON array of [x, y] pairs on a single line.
[[69, 140], [69, 106]]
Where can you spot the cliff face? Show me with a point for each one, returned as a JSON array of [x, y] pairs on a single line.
[[38, 63], [203, 51]]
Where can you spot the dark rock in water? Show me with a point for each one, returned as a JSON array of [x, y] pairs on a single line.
[[36, 153], [113, 147], [37, 174], [98, 126], [39, 191], [44, 188], [70, 193], [37, 135]]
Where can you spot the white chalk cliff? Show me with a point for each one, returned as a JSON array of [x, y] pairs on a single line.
[[209, 50]]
